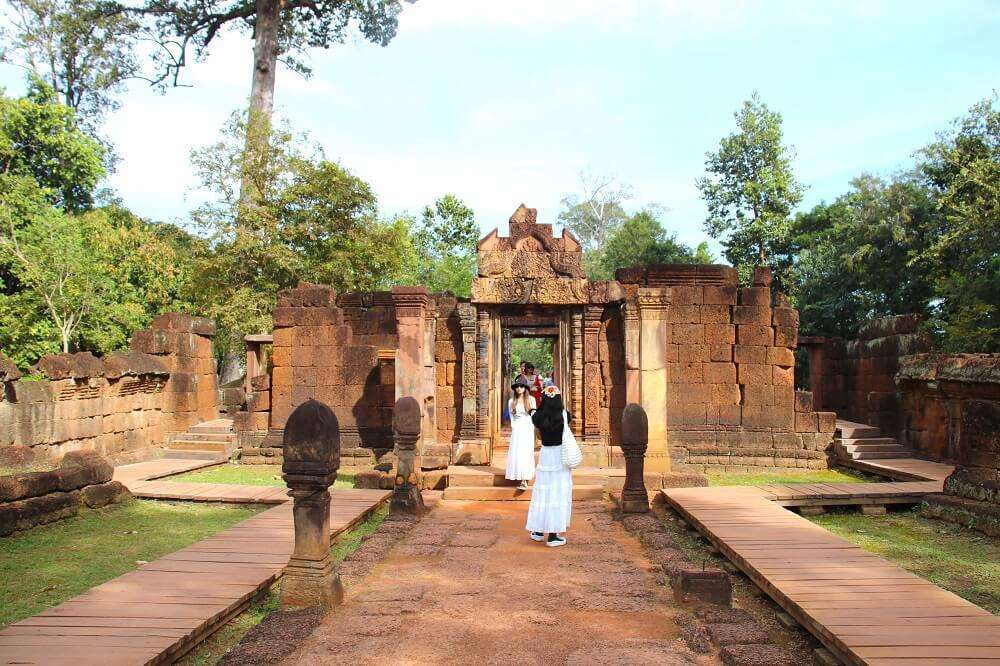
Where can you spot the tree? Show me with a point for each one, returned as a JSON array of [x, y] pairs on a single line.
[[595, 215], [642, 241], [963, 169], [84, 54], [53, 256], [281, 29], [311, 220], [41, 141], [749, 188], [444, 244]]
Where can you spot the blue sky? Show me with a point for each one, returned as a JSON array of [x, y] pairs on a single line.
[[506, 102]]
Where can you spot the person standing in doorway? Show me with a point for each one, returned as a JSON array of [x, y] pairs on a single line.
[[521, 451], [533, 381], [552, 495]]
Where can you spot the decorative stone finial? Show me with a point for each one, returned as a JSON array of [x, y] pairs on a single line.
[[635, 439], [406, 420], [311, 450]]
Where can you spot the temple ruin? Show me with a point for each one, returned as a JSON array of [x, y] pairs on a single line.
[[711, 363]]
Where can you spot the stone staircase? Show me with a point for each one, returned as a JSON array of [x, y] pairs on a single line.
[[857, 441], [211, 440], [487, 482]]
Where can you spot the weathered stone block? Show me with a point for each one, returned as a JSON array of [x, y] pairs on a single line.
[[749, 334], [720, 373], [687, 334], [754, 373], [782, 376], [785, 336], [725, 394], [716, 314], [780, 356], [720, 334], [719, 294], [103, 494], [709, 586], [757, 394], [805, 422], [755, 296], [721, 353], [826, 421], [759, 315]]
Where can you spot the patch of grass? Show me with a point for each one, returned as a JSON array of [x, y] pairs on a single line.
[[47, 565], [212, 650], [805, 476], [249, 475], [953, 557]]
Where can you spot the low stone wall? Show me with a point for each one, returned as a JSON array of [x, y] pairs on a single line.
[[123, 406], [951, 412], [82, 480], [857, 378], [81, 402]]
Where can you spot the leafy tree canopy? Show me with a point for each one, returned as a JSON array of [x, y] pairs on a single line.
[[83, 53], [640, 241], [444, 246], [750, 189], [40, 140], [310, 219]]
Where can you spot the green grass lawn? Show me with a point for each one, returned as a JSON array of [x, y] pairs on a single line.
[[805, 476], [953, 557], [47, 565], [211, 651], [249, 475]]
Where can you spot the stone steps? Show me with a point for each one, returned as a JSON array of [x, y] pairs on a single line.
[[195, 445], [211, 440], [461, 476], [851, 430], [858, 441], [501, 493]]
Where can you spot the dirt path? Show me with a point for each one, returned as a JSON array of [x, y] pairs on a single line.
[[467, 585]]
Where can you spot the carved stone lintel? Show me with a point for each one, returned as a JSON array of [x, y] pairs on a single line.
[[635, 439]]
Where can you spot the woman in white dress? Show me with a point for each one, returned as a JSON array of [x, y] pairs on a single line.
[[521, 452], [552, 495]]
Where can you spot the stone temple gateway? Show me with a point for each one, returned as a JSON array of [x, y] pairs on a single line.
[[711, 363]]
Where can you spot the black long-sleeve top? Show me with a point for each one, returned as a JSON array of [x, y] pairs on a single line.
[[550, 437]]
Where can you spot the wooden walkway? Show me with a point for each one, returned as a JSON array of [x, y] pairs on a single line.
[[160, 611], [844, 494], [864, 609], [162, 467], [902, 469], [229, 493]]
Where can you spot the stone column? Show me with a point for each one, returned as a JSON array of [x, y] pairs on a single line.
[[311, 451], [467, 320], [592, 380], [576, 385], [653, 304], [630, 311], [483, 373], [429, 389], [411, 304], [406, 423], [635, 438]]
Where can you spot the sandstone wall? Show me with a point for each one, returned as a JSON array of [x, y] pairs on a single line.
[[951, 412], [729, 400], [183, 344], [950, 407], [859, 376], [113, 406], [36, 498], [315, 355], [448, 366]]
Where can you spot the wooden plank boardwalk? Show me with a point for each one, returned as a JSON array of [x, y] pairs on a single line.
[[162, 467], [229, 493], [864, 609], [160, 611], [843, 494], [902, 469]]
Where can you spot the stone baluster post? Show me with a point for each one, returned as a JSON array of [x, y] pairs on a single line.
[[311, 450], [635, 438], [406, 497]]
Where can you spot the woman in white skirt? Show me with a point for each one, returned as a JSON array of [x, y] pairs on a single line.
[[552, 494], [521, 452]]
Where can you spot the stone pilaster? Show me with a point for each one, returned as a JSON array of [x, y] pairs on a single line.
[[411, 305], [653, 328], [592, 380], [630, 312], [576, 386], [483, 373]]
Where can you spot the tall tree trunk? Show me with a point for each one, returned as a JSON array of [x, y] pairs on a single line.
[[265, 57], [265, 62]]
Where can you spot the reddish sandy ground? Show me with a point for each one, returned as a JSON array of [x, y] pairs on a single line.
[[467, 586]]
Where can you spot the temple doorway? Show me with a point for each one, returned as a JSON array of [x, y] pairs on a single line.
[[537, 335]]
